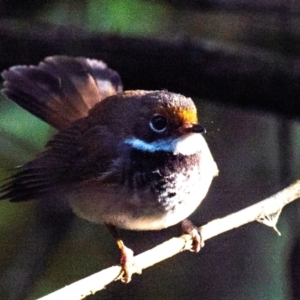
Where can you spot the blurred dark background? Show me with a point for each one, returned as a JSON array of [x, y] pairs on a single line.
[[240, 62]]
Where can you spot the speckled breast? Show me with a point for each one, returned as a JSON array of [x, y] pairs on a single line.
[[170, 186], [146, 191]]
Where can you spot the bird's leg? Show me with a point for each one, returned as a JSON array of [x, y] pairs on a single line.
[[188, 227], [126, 261]]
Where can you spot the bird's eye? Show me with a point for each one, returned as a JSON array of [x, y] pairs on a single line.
[[158, 123]]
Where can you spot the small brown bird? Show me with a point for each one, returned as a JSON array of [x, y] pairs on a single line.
[[135, 160]]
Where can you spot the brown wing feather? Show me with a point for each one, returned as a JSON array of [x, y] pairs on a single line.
[[61, 89], [46, 174], [73, 155]]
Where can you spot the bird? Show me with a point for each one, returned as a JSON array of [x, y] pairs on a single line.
[[134, 159]]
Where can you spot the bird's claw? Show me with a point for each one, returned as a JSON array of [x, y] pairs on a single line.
[[197, 241], [129, 266]]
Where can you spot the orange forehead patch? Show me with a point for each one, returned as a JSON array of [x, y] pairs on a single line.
[[180, 114]]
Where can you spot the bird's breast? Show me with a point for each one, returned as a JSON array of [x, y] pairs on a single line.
[[149, 191]]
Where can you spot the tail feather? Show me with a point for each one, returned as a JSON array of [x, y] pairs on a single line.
[[61, 89]]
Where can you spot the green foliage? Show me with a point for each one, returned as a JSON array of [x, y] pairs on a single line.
[[130, 17], [21, 134]]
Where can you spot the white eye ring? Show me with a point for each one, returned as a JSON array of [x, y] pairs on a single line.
[[158, 123]]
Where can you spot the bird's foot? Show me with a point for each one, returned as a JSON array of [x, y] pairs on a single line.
[[197, 241], [129, 266]]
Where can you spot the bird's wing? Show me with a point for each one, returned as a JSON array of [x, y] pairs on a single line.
[[73, 155]]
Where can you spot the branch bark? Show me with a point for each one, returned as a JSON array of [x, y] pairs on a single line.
[[266, 212]]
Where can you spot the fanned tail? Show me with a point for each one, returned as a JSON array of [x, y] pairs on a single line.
[[61, 89]]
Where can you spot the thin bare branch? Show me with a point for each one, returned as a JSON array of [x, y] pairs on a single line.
[[266, 212]]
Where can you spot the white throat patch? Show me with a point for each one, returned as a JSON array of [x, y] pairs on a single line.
[[186, 145]]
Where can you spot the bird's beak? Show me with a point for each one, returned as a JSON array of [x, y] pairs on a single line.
[[193, 128]]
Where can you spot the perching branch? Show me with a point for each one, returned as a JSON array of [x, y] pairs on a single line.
[[266, 212]]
